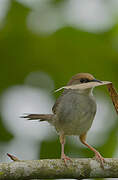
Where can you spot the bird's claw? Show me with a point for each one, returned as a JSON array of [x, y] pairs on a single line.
[[65, 158], [99, 158]]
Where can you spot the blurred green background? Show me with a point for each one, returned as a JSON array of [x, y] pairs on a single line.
[[42, 44]]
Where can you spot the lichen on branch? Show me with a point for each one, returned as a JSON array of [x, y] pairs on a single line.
[[55, 168]]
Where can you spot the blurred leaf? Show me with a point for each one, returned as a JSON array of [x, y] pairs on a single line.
[[5, 135], [50, 149], [57, 1]]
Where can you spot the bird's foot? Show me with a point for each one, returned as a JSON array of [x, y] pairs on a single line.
[[65, 158], [99, 158]]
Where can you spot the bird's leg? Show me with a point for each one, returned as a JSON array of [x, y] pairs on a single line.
[[97, 154], [62, 141]]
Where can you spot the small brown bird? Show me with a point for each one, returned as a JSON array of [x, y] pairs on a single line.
[[73, 113]]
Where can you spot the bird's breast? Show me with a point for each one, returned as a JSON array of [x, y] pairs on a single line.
[[75, 113]]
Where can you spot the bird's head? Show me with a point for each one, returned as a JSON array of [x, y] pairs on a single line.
[[83, 78]]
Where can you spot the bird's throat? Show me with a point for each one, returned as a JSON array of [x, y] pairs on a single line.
[[88, 91]]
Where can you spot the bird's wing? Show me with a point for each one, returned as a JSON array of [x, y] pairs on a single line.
[[54, 108]]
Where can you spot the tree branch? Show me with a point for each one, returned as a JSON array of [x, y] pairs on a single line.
[[55, 168]]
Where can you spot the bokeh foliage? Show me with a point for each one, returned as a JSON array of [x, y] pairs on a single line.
[[61, 55]]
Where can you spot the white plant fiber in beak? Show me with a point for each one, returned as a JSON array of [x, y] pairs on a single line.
[[84, 85]]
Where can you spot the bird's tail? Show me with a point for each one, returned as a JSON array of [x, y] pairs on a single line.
[[41, 117]]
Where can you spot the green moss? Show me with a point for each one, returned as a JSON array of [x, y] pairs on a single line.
[[1, 173]]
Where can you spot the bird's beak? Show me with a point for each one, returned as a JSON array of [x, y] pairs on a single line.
[[96, 80]]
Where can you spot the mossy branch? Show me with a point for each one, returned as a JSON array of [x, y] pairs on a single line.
[[55, 168]]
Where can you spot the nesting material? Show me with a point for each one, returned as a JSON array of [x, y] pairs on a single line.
[[84, 85], [113, 93]]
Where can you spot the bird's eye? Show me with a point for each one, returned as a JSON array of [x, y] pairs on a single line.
[[84, 80]]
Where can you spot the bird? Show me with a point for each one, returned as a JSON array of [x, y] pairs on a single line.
[[73, 113]]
